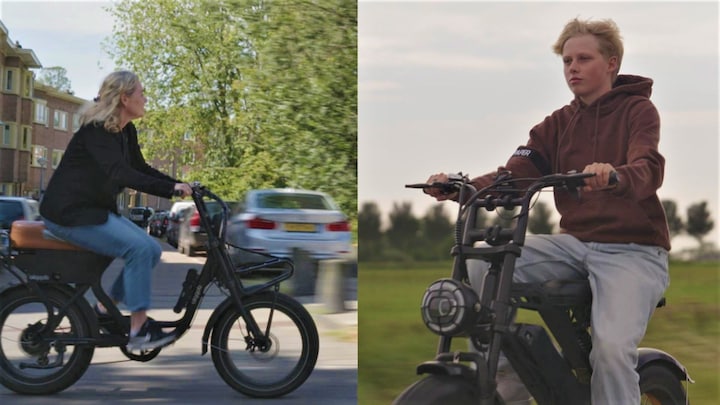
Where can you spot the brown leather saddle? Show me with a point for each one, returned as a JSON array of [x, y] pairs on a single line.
[[33, 235]]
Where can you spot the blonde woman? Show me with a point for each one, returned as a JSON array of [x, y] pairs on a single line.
[[79, 205]]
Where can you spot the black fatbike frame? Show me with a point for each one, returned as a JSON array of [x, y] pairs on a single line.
[[40, 269], [452, 309]]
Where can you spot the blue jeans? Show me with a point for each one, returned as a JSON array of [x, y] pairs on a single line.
[[119, 237], [627, 281]]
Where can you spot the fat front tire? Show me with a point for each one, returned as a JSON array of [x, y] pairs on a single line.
[[659, 385], [266, 369], [440, 390], [31, 361]]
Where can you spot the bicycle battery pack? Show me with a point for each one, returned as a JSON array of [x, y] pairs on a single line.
[[542, 369]]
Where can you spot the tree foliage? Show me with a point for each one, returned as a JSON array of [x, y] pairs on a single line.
[[436, 234], [675, 223], [540, 219], [431, 236], [698, 221], [247, 93], [370, 232], [55, 76], [403, 230]]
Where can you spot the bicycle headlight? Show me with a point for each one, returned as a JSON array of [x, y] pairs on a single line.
[[449, 307]]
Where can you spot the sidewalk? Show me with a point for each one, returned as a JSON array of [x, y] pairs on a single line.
[[180, 375]]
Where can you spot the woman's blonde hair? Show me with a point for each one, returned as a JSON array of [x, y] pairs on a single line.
[[106, 107], [606, 32]]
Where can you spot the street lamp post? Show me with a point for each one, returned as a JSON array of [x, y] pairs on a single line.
[[42, 161]]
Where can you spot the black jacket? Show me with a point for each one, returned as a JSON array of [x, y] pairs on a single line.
[[95, 168]]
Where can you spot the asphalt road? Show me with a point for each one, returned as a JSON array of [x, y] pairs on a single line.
[[181, 375]]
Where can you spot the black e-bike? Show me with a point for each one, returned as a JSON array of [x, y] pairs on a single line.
[[263, 343], [554, 373]]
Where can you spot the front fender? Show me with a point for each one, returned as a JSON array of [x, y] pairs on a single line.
[[647, 355], [214, 318]]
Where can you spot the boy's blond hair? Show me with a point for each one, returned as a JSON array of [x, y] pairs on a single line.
[[606, 32]]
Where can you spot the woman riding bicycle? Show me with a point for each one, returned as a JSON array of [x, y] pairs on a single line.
[[614, 235], [80, 205]]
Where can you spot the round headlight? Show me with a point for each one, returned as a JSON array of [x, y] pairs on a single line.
[[449, 307]]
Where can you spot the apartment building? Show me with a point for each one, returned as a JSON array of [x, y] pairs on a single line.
[[36, 125], [37, 122]]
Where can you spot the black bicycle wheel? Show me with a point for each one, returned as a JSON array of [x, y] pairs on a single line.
[[272, 368], [660, 386], [30, 364], [437, 389]]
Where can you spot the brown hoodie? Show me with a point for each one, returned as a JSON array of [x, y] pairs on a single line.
[[621, 128]]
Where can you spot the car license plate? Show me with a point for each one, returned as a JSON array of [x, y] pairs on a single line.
[[297, 227]]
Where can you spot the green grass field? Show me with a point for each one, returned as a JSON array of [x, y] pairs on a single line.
[[393, 339]]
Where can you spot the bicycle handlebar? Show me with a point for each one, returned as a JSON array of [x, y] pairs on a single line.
[[200, 191], [507, 197]]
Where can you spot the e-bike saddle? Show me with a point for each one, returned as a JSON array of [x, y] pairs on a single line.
[[33, 235]]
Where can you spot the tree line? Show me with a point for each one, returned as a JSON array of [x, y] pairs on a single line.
[[430, 237], [247, 94]]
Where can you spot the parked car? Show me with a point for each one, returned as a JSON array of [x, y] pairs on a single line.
[[140, 215], [192, 236], [157, 223], [174, 219], [17, 208], [276, 221]]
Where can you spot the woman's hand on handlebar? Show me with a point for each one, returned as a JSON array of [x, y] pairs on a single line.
[[182, 190], [437, 192], [601, 180]]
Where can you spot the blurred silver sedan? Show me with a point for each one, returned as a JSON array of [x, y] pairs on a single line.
[[275, 221]]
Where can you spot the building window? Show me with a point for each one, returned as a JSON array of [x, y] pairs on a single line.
[[28, 84], [38, 152], [41, 112], [56, 158], [11, 80], [8, 135], [26, 138], [76, 122], [60, 120]]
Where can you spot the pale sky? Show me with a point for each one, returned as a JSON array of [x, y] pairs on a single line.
[[456, 86], [64, 33]]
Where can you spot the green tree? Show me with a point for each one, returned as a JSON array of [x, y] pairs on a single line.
[[55, 76], [540, 219], [436, 234], [698, 221], [259, 93], [675, 223], [370, 234], [402, 234]]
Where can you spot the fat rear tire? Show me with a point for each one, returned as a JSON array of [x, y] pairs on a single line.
[[440, 390], [13, 352], [661, 385]]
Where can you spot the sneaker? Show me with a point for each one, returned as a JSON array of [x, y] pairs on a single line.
[[150, 337]]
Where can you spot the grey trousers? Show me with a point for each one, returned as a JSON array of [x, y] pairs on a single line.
[[627, 281]]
